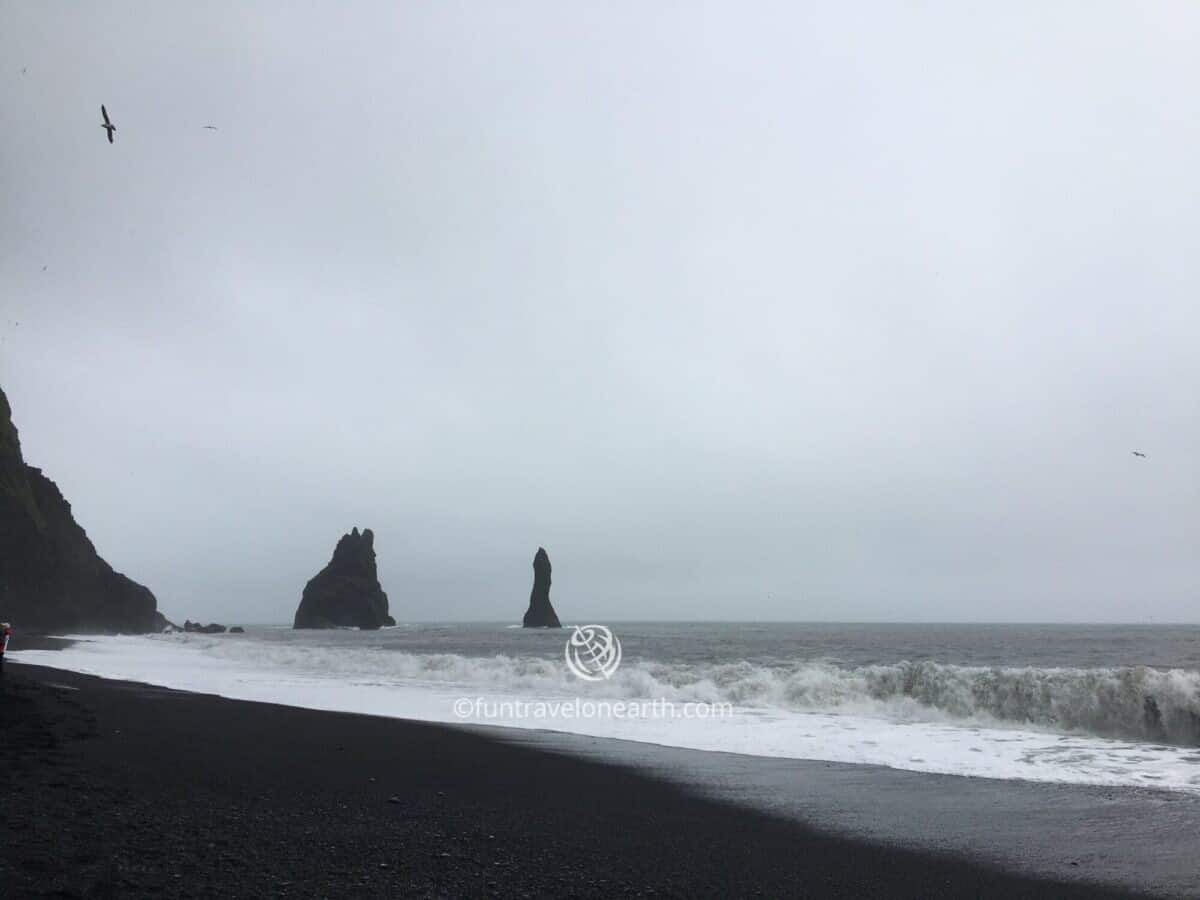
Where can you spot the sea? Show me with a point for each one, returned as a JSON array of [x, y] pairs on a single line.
[[1080, 704]]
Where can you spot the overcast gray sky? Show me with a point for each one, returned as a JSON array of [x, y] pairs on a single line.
[[743, 311]]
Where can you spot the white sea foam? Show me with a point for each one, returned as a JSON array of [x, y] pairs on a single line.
[[1039, 724]]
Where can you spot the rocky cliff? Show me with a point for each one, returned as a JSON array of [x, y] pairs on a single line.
[[540, 613], [347, 591], [51, 578]]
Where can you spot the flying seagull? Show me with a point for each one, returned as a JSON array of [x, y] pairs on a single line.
[[1139, 453], [211, 127], [108, 125]]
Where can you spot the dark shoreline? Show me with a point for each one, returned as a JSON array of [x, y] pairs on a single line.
[[38, 642], [120, 789]]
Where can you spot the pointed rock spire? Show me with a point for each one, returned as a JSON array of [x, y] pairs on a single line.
[[540, 613]]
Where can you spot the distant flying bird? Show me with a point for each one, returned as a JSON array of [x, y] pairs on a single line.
[[108, 125], [211, 127], [1139, 453]]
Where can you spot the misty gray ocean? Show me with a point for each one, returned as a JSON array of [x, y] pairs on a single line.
[[1139, 683], [785, 643]]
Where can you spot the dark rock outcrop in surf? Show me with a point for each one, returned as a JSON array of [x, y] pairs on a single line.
[[540, 613], [51, 578], [196, 628], [346, 593]]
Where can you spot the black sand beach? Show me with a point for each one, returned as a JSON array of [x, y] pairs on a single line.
[[118, 789]]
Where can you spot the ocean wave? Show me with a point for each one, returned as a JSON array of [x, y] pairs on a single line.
[[1131, 703], [1136, 703]]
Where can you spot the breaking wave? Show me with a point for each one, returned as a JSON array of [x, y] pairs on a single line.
[[1131, 703], [1135, 703]]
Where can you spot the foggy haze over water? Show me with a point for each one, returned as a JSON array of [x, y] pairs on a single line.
[[742, 314]]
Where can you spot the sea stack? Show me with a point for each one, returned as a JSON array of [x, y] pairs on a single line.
[[540, 613], [196, 628], [346, 593], [51, 578]]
